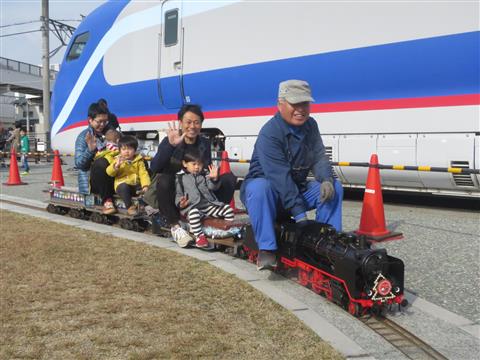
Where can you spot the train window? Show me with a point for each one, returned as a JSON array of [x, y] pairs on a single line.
[[78, 45], [171, 27]]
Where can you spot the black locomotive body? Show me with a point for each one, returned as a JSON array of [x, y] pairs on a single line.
[[342, 266]]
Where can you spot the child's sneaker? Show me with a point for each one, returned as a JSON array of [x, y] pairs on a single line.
[[201, 241], [132, 210], [24, 173], [180, 236], [108, 208]]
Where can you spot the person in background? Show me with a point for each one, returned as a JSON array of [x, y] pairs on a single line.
[[24, 149], [129, 172], [14, 138], [3, 145], [92, 174], [112, 123], [195, 197], [288, 147], [168, 161]]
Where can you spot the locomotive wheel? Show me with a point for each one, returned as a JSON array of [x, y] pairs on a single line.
[[141, 225], [76, 213], [127, 224], [355, 309], [60, 210], [97, 218], [303, 277], [51, 209]]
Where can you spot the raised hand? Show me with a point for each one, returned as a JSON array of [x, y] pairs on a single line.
[[91, 141], [213, 172], [183, 203], [118, 161], [173, 133]]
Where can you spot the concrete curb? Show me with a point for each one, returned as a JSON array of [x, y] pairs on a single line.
[[342, 343]]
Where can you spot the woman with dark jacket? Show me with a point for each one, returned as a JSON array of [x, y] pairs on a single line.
[[168, 161]]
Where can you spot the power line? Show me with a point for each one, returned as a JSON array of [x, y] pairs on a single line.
[[21, 23], [19, 33]]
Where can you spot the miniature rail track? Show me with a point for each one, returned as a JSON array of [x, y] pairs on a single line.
[[410, 345]]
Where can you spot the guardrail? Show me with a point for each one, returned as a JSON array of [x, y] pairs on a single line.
[[452, 170]]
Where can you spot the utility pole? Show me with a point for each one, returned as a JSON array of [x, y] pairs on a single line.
[[46, 70]]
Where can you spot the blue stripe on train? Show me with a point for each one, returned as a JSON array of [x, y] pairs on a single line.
[[445, 65]]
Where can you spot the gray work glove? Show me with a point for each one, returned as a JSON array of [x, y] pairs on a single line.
[[327, 191]]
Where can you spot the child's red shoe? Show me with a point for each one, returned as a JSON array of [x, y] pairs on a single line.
[[201, 241]]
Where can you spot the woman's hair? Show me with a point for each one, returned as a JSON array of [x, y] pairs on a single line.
[[95, 109], [192, 154], [196, 109], [128, 141]]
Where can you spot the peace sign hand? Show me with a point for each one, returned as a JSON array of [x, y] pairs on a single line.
[[173, 133]]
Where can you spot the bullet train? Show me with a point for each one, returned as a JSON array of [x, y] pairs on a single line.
[[397, 78]]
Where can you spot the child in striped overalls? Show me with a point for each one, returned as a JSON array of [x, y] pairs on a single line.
[[194, 194]]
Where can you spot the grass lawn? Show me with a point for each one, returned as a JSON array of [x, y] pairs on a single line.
[[68, 293]]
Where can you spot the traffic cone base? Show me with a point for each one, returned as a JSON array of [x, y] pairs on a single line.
[[14, 174], [20, 183], [372, 221]]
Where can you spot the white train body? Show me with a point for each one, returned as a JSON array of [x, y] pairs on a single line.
[[397, 78]]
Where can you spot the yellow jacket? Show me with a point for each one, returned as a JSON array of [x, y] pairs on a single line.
[[107, 154], [131, 173]]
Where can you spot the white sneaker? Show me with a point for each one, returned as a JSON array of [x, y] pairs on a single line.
[[180, 236]]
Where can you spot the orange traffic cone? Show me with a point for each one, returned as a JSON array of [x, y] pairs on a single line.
[[14, 175], [57, 174], [372, 221], [225, 169]]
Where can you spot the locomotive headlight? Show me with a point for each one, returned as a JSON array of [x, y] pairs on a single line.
[[384, 287]]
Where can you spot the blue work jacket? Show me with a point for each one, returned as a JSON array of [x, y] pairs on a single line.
[[284, 155]]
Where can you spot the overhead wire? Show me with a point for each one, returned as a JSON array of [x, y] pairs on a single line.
[[19, 33], [20, 23]]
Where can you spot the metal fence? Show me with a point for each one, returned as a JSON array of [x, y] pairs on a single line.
[[25, 68]]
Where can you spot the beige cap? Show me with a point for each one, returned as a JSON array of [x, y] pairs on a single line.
[[295, 91]]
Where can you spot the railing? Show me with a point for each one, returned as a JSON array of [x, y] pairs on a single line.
[[25, 68]]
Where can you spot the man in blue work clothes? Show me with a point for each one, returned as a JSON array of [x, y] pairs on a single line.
[[288, 147]]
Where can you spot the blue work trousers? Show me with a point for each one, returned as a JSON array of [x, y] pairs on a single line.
[[262, 203]]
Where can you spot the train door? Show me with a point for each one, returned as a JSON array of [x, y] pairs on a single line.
[[171, 51]]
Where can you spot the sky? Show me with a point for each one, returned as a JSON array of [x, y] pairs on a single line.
[[28, 47]]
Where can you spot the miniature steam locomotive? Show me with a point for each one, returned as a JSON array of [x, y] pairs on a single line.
[[341, 266]]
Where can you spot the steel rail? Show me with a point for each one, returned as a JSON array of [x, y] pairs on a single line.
[[403, 340]]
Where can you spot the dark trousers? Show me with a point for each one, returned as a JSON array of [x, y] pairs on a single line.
[[100, 182], [126, 192], [166, 194]]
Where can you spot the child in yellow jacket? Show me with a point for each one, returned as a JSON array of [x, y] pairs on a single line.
[[129, 171]]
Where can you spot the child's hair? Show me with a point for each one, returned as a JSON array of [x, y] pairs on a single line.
[[23, 129], [192, 155], [128, 141], [112, 135]]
